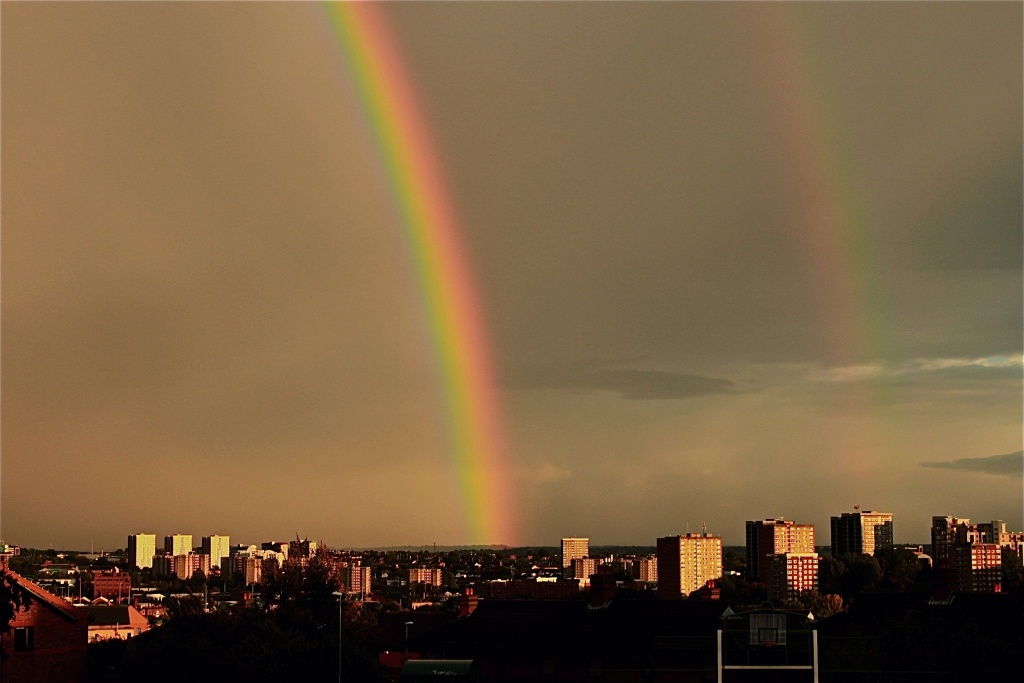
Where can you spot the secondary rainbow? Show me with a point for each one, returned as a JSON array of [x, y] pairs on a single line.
[[830, 214], [448, 290]]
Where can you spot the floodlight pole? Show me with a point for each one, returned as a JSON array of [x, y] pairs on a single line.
[[407, 625], [341, 621]]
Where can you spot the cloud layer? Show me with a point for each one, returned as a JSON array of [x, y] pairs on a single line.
[[1009, 465]]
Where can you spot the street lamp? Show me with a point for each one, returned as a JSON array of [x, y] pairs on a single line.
[[407, 625], [341, 620]]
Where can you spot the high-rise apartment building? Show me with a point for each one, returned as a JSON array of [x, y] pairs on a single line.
[[573, 549], [947, 532], [583, 568], [184, 566], [791, 574], [769, 537], [950, 531], [861, 531], [430, 577], [976, 567], [178, 544], [649, 569], [218, 548], [141, 549], [686, 563], [968, 556], [356, 578]]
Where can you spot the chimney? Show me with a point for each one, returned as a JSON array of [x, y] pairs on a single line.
[[468, 603], [602, 587]]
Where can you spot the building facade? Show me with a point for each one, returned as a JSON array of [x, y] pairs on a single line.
[[178, 544], [218, 548], [184, 566], [976, 567], [649, 569], [47, 639], [968, 556], [141, 549], [115, 622], [686, 563], [430, 577], [791, 574], [769, 537], [861, 531], [574, 548], [583, 568], [357, 579], [112, 585]]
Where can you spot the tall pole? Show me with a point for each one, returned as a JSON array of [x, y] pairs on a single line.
[[341, 621]]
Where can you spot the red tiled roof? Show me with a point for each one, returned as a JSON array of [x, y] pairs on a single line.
[[59, 605]]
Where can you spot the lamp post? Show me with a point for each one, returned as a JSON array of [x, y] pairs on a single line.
[[341, 620], [407, 625]]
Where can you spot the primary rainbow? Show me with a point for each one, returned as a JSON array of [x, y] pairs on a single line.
[[430, 228]]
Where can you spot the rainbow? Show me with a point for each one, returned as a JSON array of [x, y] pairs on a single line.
[[831, 216], [430, 227]]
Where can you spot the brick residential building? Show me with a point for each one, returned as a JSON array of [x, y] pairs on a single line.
[[47, 641], [771, 537], [968, 557], [112, 585], [791, 574]]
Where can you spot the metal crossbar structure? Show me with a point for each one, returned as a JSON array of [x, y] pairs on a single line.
[[767, 640]]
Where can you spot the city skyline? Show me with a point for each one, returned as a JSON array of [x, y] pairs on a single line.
[[497, 273]]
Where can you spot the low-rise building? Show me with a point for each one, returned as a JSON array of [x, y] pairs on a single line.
[[112, 584], [121, 622], [47, 640]]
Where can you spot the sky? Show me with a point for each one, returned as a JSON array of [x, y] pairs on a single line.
[[729, 261]]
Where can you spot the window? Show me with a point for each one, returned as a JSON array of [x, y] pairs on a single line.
[[24, 638]]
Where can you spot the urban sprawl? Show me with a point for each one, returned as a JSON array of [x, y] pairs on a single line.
[[686, 608]]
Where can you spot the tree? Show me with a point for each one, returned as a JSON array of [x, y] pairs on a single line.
[[12, 598], [197, 580], [899, 567], [862, 573], [294, 638], [822, 606], [831, 574]]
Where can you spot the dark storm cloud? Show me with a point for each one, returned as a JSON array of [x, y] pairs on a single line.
[[982, 209], [630, 383], [1009, 465]]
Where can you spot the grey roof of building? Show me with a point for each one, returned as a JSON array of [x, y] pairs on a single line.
[[108, 615]]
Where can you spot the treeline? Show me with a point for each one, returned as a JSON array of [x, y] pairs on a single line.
[[293, 634], [841, 578]]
